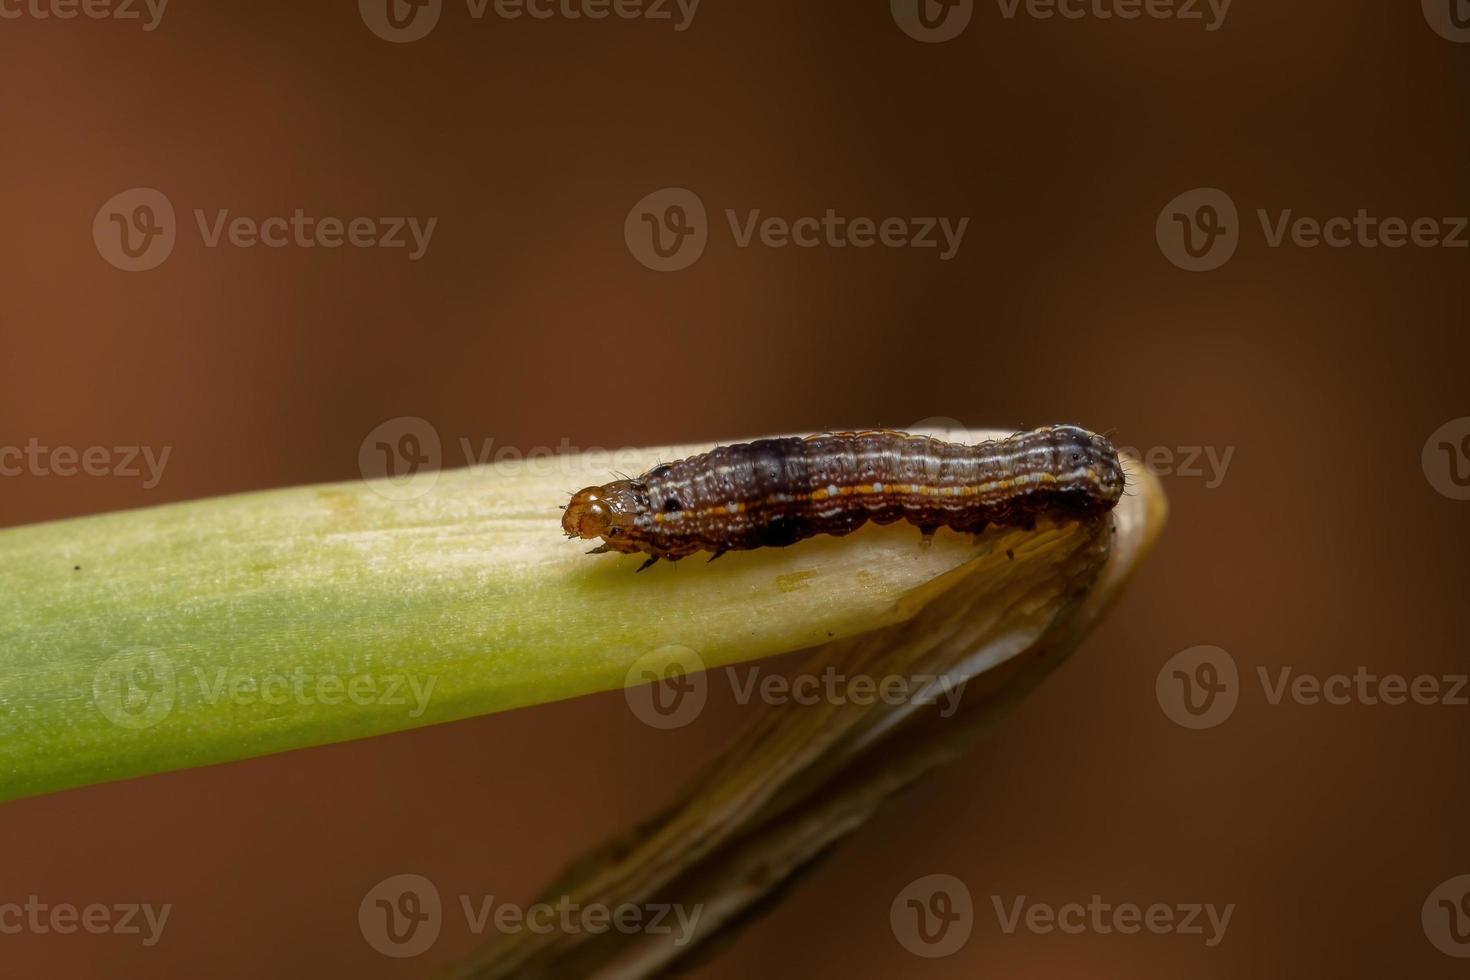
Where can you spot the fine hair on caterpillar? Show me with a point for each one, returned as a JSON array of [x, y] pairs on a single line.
[[775, 492]]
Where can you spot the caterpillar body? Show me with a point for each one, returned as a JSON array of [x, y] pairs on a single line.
[[775, 492]]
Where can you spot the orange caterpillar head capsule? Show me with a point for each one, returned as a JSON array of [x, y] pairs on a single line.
[[609, 512]]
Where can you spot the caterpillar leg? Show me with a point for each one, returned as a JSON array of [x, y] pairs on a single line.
[[978, 533], [651, 561], [926, 535], [601, 549], [717, 554]]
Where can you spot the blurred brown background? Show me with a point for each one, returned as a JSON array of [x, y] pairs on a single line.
[[528, 320]]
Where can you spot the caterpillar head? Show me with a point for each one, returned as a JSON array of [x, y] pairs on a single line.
[[1094, 463], [611, 512]]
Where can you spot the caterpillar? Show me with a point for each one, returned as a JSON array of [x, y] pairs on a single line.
[[775, 492]]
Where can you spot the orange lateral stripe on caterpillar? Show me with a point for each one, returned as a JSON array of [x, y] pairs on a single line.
[[774, 492]]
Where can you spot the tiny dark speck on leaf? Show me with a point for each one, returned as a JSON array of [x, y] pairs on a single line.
[[76, 568], [1010, 554]]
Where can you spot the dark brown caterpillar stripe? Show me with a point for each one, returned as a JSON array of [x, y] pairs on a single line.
[[774, 492]]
